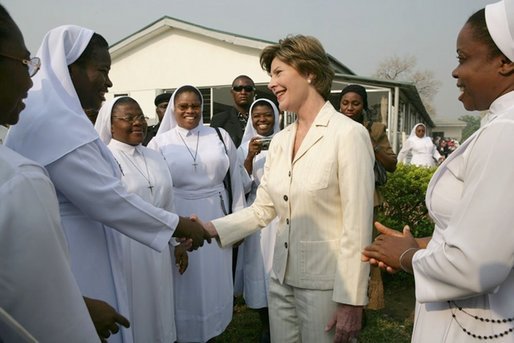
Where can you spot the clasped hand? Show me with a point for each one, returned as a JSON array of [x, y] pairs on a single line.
[[189, 228], [386, 249]]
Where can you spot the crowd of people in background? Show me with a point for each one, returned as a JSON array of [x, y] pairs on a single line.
[[446, 145], [118, 212]]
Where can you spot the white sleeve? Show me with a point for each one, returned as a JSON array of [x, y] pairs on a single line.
[[245, 177], [86, 179], [435, 153], [476, 253], [36, 283], [402, 155], [238, 198]]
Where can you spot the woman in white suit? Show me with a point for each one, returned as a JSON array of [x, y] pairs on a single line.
[[465, 275], [318, 180]]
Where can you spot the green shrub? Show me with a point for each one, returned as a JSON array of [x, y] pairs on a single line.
[[404, 200]]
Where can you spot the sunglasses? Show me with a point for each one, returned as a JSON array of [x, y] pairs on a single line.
[[247, 89]]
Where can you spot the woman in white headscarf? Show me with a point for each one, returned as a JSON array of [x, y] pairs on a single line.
[[198, 163], [256, 253], [421, 148], [465, 275], [122, 126], [55, 132]]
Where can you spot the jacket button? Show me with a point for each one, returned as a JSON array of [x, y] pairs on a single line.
[[287, 221], [285, 245], [285, 197], [289, 173]]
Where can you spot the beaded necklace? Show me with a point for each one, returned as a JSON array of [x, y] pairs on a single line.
[[454, 306]]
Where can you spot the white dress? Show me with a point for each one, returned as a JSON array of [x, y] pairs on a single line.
[[255, 254], [423, 151], [150, 285], [470, 257], [204, 293], [96, 210], [92, 202], [37, 287]]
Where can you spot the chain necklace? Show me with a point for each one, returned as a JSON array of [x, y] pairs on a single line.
[[196, 150], [147, 178]]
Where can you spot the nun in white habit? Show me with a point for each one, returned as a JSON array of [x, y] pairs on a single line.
[[422, 150], [465, 275], [122, 126], [198, 164], [94, 205], [256, 253]]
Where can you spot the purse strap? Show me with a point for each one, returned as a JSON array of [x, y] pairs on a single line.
[[226, 181]]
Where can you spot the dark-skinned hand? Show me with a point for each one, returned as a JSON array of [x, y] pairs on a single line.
[[105, 318], [188, 228]]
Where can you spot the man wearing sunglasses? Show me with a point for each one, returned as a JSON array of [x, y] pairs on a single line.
[[234, 119]]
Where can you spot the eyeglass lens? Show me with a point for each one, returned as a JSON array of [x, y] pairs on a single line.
[[246, 88]]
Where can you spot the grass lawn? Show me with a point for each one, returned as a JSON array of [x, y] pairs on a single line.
[[391, 324]]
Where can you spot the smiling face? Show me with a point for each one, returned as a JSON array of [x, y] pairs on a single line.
[[351, 105], [478, 73], [288, 85], [263, 119], [188, 110], [14, 74], [128, 131], [91, 78]]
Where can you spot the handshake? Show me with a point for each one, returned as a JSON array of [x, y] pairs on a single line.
[[194, 229]]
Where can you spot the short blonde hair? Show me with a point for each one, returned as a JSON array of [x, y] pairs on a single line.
[[306, 55]]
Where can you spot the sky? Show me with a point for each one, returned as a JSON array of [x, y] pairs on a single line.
[[359, 33]]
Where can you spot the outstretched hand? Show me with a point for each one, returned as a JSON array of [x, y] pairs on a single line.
[[105, 318], [188, 228], [386, 249]]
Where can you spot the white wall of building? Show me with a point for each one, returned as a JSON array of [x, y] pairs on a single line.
[[176, 57]]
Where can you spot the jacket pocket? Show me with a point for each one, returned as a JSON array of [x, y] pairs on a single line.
[[318, 176], [318, 259]]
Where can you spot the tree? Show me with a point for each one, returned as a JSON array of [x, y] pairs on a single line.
[[404, 69], [472, 124]]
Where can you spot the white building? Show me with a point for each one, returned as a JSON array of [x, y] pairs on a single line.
[[170, 52]]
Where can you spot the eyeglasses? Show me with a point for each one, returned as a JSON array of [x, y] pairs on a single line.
[[133, 119], [33, 64], [248, 89]]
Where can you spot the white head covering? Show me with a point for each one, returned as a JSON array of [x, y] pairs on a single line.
[[103, 121], [413, 131], [168, 120], [54, 123], [499, 18], [250, 131]]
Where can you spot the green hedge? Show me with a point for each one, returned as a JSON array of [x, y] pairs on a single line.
[[404, 200]]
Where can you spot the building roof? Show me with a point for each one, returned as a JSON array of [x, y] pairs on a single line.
[[168, 23]]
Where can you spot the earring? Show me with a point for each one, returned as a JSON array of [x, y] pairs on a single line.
[[309, 81]]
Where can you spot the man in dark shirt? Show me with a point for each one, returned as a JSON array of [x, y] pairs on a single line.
[[234, 120], [161, 102]]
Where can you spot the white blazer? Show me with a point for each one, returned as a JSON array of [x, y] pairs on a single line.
[[324, 201]]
